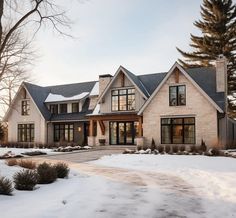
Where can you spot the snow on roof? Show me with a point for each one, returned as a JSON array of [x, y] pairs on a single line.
[[95, 90], [57, 98]]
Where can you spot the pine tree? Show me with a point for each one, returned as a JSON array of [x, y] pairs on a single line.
[[218, 27]]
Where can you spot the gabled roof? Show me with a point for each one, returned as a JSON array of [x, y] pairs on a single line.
[[39, 95], [204, 79], [133, 79], [136, 81]]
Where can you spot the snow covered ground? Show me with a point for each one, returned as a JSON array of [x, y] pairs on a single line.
[[132, 186], [17, 151]]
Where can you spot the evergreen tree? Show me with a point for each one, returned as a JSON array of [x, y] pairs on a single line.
[[218, 27]]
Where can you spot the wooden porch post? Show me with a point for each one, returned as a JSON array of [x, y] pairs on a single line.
[[91, 128], [140, 127]]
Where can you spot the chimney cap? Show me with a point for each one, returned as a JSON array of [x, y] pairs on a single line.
[[105, 75]]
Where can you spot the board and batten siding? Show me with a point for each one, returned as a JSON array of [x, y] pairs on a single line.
[[34, 117], [196, 106]]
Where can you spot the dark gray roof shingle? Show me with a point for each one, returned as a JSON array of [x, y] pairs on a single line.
[[205, 77], [39, 95]]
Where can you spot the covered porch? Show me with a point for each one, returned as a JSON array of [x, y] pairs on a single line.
[[115, 129]]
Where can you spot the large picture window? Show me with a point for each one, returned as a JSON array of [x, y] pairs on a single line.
[[63, 132], [178, 130], [177, 95], [25, 132], [123, 100], [25, 107]]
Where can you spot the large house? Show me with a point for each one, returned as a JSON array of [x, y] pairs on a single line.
[[181, 106]]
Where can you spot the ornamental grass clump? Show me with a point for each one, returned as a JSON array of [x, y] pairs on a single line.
[[62, 170], [25, 180], [11, 162], [47, 173], [6, 187], [28, 164]]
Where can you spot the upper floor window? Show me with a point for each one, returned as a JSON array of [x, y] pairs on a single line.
[[54, 108], [123, 100], [75, 107], [177, 95], [63, 108], [25, 107]]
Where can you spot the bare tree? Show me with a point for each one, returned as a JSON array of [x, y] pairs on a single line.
[[19, 22]]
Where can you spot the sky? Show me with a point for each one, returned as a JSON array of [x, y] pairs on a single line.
[[140, 35]]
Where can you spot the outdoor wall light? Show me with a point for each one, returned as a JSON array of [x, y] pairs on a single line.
[[79, 129]]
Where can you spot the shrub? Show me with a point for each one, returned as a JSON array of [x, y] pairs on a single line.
[[214, 152], [153, 145], [47, 173], [25, 180], [193, 149], [139, 147], [5, 186], [145, 147], [11, 162], [203, 147], [62, 170], [175, 148], [167, 149], [160, 148], [28, 164], [182, 148]]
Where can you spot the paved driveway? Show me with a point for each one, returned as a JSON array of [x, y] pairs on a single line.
[[84, 156]]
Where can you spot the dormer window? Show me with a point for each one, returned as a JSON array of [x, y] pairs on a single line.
[[123, 100], [63, 108], [177, 95], [25, 107], [54, 108], [75, 107]]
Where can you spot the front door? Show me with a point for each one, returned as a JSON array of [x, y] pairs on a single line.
[[122, 133]]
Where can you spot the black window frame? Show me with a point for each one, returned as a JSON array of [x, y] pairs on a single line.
[[54, 108], [183, 124], [61, 107], [61, 128], [25, 107], [25, 132], [119, 94], [77, 106], [178, 102]]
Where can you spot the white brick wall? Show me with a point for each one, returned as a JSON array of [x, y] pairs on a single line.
[[196, 105]]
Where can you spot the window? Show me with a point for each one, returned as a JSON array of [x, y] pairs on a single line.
[[177, 95], [63, 108], [75, 107], [63, 132], [123, 100], [25, 132], [25, 107], [178, 130], [54, 108]]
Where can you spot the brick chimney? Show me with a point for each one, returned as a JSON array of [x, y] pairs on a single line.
[[104, 80], [221, 74]]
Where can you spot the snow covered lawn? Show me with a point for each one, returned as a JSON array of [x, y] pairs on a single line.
[[18, 151], [132, 186]]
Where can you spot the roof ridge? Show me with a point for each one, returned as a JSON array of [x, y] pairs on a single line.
[[93, 81]]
